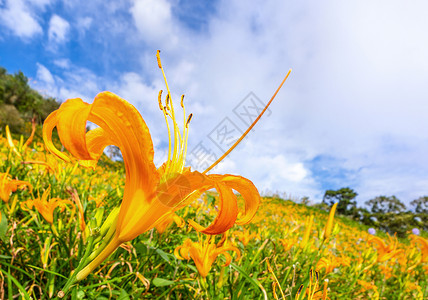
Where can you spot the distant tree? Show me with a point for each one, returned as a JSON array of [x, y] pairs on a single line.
[[9, 115], [421, 205], [19, 103], [384, 204], [345, 197]]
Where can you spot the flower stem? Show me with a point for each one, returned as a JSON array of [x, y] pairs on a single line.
[[72, 280]]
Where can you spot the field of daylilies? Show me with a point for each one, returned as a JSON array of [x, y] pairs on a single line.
[[51, 209], [74, 224]]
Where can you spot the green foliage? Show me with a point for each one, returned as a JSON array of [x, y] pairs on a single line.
[[19, 103], [345, 196], [384, 204], [421, 205]]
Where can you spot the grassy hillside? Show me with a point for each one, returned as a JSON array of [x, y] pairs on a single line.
[[50, 209]]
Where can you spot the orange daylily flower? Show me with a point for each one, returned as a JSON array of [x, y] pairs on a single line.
[[305, 239], [384, 251], [329, 224], [424, 246], [7, 185], [46, 207], [331, 262], [163, 223], [245, 236], [204, 253], [27, 142], [149, 193]]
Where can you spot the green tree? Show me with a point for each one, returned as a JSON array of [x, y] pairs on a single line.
[[384, 204], [19, 103], [421, 205], [345, 196]]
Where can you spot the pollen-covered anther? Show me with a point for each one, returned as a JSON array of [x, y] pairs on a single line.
[[158, 59], [188, 119], [181, 102], [160, 100], [167, 101]]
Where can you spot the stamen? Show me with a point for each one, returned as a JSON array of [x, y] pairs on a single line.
[[249, 128], [167, 100], [158, 59], [181, 102], [160, 100], [188, 120]]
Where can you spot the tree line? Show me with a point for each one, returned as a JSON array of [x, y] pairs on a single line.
[[19, 103], [387, 213]]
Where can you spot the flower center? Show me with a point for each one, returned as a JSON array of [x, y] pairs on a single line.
[[177, 149]]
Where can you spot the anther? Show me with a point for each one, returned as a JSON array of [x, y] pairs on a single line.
[[181, 102], [158, 59], [160, 100], [299, 290], [188, 119]]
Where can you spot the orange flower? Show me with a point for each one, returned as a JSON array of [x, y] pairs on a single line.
[[309, 221], [46, 207], [384, 251], [329, 225], [149, 193], [204, 253], [331, 262], [7, 185], [167, 220], [367, 286], [245, 236], [424, 246]]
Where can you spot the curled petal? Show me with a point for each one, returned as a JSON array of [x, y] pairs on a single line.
[[71, 125], [48, 126], [228, 211], [248, 191], [227, 255]]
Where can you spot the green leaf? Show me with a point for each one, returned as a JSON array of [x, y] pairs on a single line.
[[164, 255], [162, 282], [123, 295], [253, 281], [3, 226], [19, 286]]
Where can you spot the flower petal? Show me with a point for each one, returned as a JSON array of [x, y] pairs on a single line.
[[247, 190], [48, 126]]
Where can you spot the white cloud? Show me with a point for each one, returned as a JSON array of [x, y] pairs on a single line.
[[154, 21], [44, 75], [63, 63], [75, 82], [359, 72], [19, 18], [58, 30], [83, 24]]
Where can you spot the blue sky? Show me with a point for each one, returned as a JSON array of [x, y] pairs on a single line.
[[353, 112]]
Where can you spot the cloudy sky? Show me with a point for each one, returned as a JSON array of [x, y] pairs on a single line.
[[353, 112]]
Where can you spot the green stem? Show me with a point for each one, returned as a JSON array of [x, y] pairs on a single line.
[[109, 249], [72, 280]]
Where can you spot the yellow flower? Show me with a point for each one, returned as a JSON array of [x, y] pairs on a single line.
[[149, 193], [167, 220], [46, 207], [204, 253], [329, 225], [309, 222], [384, 251], [331, 262], [424, 246], [7, 185], [367, 286], [245, 236]]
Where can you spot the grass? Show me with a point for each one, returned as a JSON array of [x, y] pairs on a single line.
[[275, 261]]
